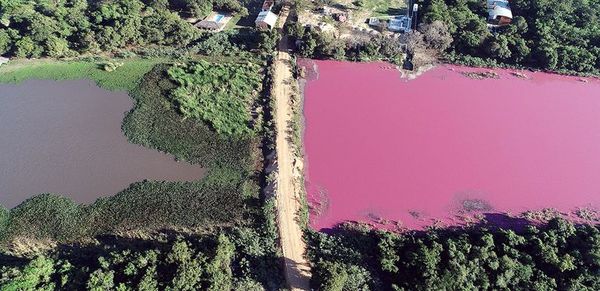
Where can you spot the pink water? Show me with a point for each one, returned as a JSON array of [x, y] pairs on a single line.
[[380, 148]]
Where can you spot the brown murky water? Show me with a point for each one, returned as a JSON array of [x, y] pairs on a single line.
[[65, 137]]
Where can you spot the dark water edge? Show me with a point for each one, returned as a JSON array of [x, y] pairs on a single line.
[[65, 137]]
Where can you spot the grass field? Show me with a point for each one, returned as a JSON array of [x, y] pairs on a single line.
[[381, 7], [125, 77]]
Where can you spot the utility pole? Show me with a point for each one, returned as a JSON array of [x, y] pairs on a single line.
[[415, 10]]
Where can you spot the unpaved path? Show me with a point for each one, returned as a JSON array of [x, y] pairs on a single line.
[[297, 269]]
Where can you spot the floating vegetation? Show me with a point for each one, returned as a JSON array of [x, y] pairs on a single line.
[[519, 75], [470, 205], [543, 215], [416, 214], [587, 214], [481, 75]]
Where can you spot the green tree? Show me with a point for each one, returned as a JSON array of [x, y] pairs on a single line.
[[101, 280], [35, 276], [27, 48], [57, 47], [5, 42], [219, 269]]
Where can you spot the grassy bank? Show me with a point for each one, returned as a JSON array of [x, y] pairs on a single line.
[[155, 122], [125, 77]]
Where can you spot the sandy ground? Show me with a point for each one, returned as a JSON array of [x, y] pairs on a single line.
[[297, 268]]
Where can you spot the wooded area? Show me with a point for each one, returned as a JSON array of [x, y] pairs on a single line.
[[556, 36], [68, 28], [556, 256], [559, 36], [232, 259]]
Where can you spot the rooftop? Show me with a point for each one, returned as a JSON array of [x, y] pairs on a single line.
[[498, 8], [399, 23], [267, 17], [215, 21]]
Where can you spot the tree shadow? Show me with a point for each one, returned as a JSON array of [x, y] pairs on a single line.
[[296, 278], [395, 11], [490, 221], [503, 221], [10, 260]]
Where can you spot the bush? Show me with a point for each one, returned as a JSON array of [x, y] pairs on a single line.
[[220, 94]]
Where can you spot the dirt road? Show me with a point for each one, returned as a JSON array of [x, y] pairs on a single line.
[[297, 269]]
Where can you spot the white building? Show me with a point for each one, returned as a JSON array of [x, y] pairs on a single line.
[[400, 23], [499, 12], [374, 21], [216, 21], [266, 20], [397, 23]]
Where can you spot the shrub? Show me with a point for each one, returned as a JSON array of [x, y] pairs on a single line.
[[220, 94]]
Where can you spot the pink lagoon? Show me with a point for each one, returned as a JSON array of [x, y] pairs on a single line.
[[444, 148]]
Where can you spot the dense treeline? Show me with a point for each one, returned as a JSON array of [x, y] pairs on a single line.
[[559, 36], [69, 27], [240, 258], [562, 37], [557, 256]]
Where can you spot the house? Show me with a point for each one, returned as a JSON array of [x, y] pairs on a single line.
[[400, 23], [215, 21], [397, 23], [374, 21], [499, 12], [3, 60], [266, 20]]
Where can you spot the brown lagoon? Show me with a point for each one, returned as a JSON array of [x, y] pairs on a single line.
[[65, 137]]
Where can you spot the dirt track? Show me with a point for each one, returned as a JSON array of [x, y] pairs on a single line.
[[297, 269]]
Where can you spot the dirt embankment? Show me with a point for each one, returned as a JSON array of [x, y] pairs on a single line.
[[297, 268]]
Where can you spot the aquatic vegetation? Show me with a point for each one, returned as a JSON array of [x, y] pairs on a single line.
[[220, 94]]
